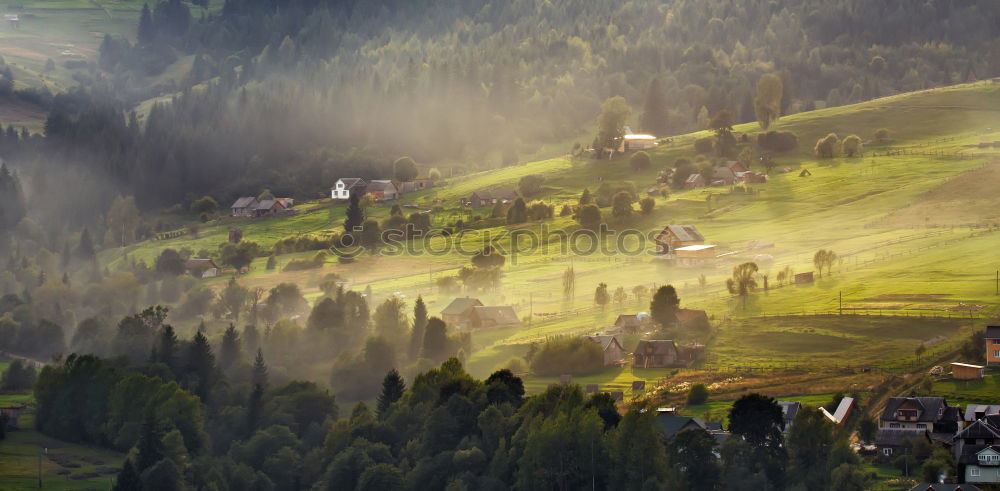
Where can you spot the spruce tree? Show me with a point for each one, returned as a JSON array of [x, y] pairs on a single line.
[[165, 348], [259, 376], [150, 444], [586, 198], [145, 33], [85, 249], [419, 323], [355, 214], [393, 388], [128, 479], [230, 350], [200, 366], [254, 409]]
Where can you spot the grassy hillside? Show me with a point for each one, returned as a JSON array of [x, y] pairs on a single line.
[[915, 231]]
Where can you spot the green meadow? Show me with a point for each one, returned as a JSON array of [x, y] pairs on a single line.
[[916, 234]]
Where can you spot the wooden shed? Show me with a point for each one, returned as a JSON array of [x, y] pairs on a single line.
[[965, 371]]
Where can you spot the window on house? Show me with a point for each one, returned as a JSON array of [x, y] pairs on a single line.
[[894, 425], [887, 451], [996, 354], [974, 471]]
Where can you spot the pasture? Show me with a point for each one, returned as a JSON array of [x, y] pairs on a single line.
[[867, 209]]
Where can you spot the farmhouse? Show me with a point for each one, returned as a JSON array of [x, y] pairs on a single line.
[[992, 346], [266, 207], [671, 424], [382, 190], [414, 185], [738, 168], [788, 411], [344, 186], [484, 197], [655, 353], [673, 237], [201, 268], [723, 176], [752, 178], [977, 448], [924, 413], [890, 440], [483, 317], [286, 202], [244, 207], [975, 412], [634, 142], [965, 371], [843, 411], [628, 323], [695, 255], [613, 351], [694, 181], [459, 312], [692, 319]]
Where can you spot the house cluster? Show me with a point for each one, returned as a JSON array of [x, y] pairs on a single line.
[[972, 435], [731, 173], [248, 206], [685, 245], [376, 189], [650, 353], [470, 313]]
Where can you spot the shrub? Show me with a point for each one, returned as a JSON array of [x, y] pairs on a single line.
[[639, 161], [646, 205], [589, 217], [882, 135], [204, 205], [704, 145], [317, 261], [574, 356], [566, 211], [530, 185], [540, 211], [851, 146], [698, 394], [777, 141], [826, 146]]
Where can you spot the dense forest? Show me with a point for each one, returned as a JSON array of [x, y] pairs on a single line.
[[326, 89]]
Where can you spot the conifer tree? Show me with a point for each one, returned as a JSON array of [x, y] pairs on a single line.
[[150, 444], [200, 366], [259, 376], [145, 32], [128, 479], [393, 388], [355, 214], [654, 110], [230, 350], [419, 323]]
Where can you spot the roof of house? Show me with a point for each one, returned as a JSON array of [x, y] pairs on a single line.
[[199, 263], [932, 408], [606, 342], [381, 185], [656, 346], [684, 232], [627, 320], [459, 306], [723, 173], [972, 409], [789, 409], [285, 202], [500, 314], [896, 436], [693, 178], [671, 425], [639, 137], [945, 487], [736, 167], [698, 247], [966, 365], [267, 204], [992, 332], [245, 202], [979, 429], [350, 182]]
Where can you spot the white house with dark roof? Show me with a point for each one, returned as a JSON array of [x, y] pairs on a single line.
[[977, 450]]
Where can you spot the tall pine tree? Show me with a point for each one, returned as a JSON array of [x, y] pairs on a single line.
[[419, 323], [355, 214], [200, 367], [393, 388]]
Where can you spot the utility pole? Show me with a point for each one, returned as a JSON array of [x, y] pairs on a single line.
[[841, 295]]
